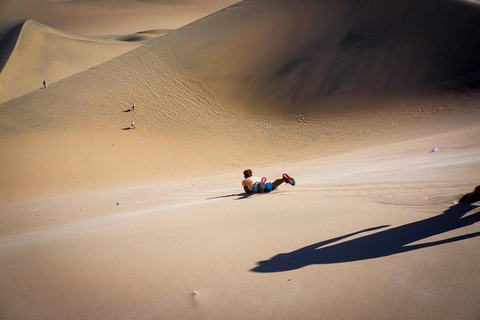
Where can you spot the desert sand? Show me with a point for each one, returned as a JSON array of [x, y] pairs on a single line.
[[35, 52], [359, 101], [101, 17]]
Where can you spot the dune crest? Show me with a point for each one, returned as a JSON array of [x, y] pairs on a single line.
[[103, 17], [35, 52], [103, 220], [197, 112], [272, 58]]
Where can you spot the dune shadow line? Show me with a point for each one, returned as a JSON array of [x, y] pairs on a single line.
[[380, 244]]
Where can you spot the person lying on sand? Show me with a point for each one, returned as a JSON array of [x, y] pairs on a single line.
[[253, 184]]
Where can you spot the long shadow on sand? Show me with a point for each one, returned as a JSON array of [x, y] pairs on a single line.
[[240, 196], [243, 195], [379, 244]]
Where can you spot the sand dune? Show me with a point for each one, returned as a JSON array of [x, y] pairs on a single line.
[[74, 130], [189, 125], [34, 52], [319, 58], [102, 17], [9, 32], [364, 103], [143, 36]]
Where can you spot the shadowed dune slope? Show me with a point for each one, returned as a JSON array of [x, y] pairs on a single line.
[[9, 31], [32, 52], [103, 17], [143, 36], [313, 57], [75, 135]]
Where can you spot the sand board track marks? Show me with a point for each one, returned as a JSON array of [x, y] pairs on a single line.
[[34, 52]]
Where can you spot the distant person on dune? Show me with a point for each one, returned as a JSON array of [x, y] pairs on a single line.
[[133, 124], [133, 107], [44, 84], [253, 184]]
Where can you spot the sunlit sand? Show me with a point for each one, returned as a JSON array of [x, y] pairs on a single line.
[[373, 107]]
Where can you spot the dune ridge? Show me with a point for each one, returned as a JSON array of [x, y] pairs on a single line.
[[99, 220], [316, 57], [33, 52], [102, 17], [78, 130]]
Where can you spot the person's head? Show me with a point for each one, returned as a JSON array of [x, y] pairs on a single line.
[[247, 173]]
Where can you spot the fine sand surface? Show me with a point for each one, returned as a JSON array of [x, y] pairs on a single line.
[[32, 52], [321, 58], [101, 17], [369, 233], [100, 220], [77, 129]]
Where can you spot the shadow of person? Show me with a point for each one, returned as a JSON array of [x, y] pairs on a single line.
[[128, 110], [239, 196], [379, 244], [127, 128]]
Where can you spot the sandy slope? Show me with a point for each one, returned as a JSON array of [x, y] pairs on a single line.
[[36, 52], [101, 17], [271, 58], [76, 131], [73, 130], [371, 230], [372, 233]]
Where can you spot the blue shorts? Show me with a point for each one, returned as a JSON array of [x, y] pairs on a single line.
[[268, 187]]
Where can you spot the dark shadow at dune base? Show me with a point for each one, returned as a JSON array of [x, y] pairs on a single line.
[[9, 39], [376, 245]]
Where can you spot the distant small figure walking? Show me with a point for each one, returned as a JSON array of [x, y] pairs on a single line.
[[133, 107], [133, 125], [45, 84]]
